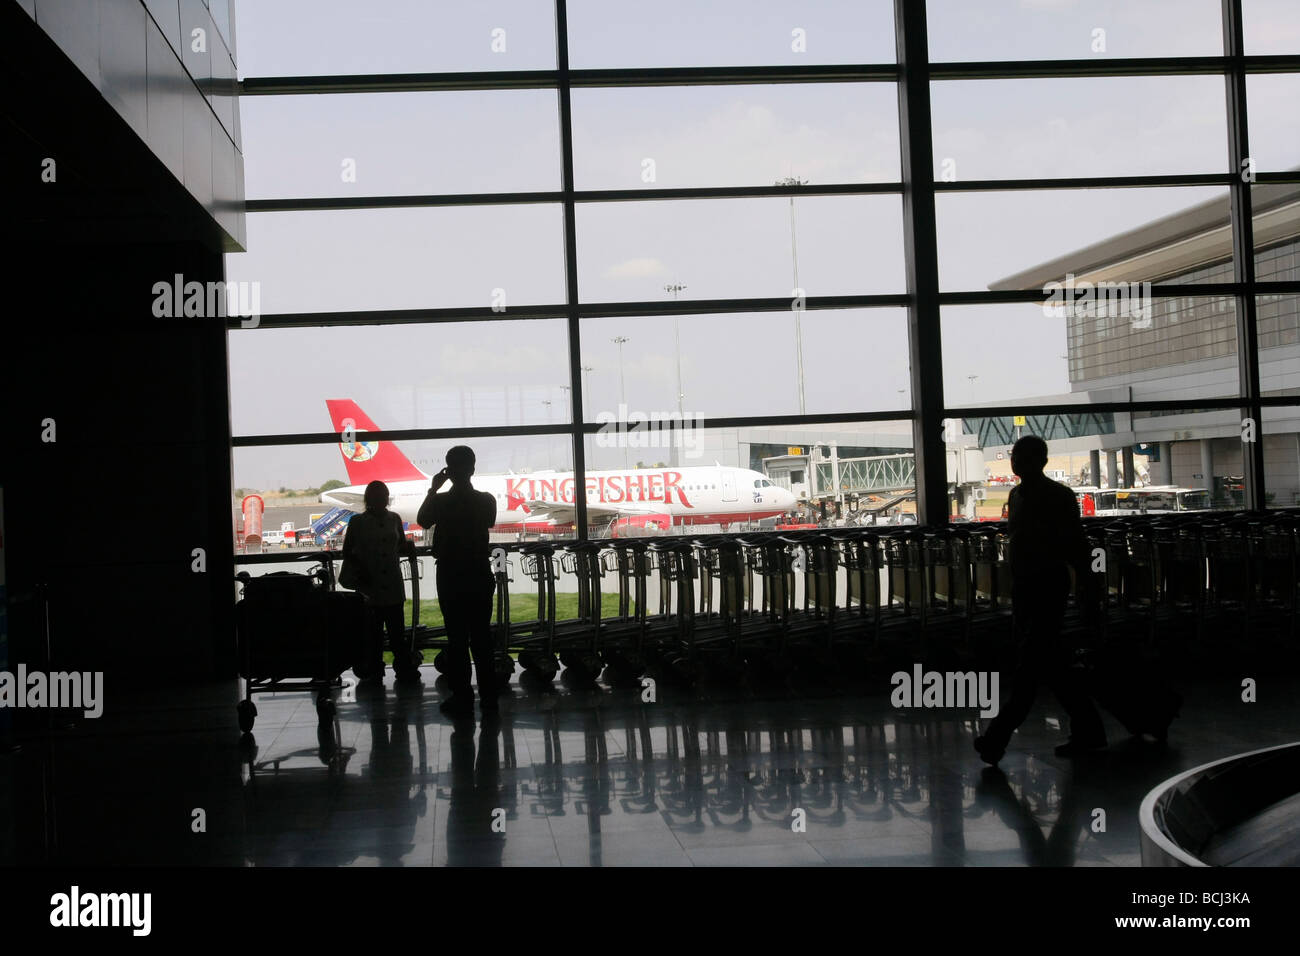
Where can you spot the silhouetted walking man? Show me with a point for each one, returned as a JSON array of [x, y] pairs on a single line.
[[1047, 539], [461, 519]]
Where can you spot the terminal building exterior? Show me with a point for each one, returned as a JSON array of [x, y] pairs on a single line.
[[1185, 349]]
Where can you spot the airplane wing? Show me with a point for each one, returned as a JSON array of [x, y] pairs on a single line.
[[348, 498], [562, 513]]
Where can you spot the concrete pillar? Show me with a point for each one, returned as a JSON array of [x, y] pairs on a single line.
[[1094, 467], [1112, 469], [1207, 467], [1162, 471], [1127, 452]]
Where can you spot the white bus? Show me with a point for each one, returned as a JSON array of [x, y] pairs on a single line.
[[1153, 499]]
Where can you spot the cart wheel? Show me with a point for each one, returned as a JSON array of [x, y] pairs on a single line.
[[324, 706], [541, 664], [547, 665], [581, 668], [440, 662], [624, 671], [247, 714], [504, 665]]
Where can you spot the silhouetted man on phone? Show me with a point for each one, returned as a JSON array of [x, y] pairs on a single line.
[[1047, 540], [461, 519]]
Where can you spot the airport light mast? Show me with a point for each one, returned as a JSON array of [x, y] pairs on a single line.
[[550, 460], [794, 256], [674, 288], [619, 340], [586, 391], [567, 404]]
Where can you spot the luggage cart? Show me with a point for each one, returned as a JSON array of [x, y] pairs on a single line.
[[1181, 555], [1273, 555], [858, 623], [714, 635], [623, 636], [577, 640], [294, 632], [1229, 587], [672, 637], [536, 641], [764, 625], [503, 569], [412, 572], [813, 569]]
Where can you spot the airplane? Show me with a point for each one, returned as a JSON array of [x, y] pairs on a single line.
[[645, 499]]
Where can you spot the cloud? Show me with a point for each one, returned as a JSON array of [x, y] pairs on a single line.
[[636, 269]]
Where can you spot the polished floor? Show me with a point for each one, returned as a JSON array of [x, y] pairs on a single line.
[[596, 777]]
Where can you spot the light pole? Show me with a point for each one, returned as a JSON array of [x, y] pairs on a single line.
[[794, 258], [550, 462], [567, 404], [586, 391], [619, 340], [674, 288]]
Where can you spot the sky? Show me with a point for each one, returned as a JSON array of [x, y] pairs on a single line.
[[854, 360]]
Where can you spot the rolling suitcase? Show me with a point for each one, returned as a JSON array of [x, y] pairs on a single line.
[[294, 633], [1132, 689], [290, 625]]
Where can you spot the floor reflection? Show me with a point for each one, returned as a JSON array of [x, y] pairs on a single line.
[[573, 779]]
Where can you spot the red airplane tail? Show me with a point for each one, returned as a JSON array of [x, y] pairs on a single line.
[[367, 460]]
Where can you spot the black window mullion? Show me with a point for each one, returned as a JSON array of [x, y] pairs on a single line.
[[1243, 250], [920, 254], [573, 317]]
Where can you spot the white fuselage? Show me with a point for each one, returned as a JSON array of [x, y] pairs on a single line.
[[544, 501]]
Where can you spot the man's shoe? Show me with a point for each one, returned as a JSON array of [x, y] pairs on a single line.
[[1075, 748], [987, 752]]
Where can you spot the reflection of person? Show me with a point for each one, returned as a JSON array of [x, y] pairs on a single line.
[[1047, 540], [1056, 849], [461, 519], [476, 796], [374, 541]]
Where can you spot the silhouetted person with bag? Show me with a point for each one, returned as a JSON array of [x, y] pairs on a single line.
[[1047, 540], [461, 519], [372, 550]]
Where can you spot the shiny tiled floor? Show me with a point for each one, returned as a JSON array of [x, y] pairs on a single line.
[[597, 778]]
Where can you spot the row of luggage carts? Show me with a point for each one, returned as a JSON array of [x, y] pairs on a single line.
[[730, 606], [1199, 573], [726, 604]]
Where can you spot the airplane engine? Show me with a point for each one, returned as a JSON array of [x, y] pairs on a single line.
[[631, 526]]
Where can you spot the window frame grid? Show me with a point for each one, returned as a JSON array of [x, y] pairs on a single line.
[[912, 74]]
